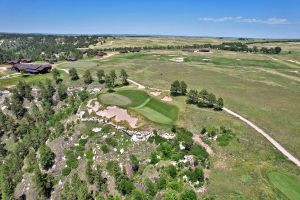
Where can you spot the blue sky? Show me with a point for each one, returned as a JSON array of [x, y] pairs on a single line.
[[226, 18]]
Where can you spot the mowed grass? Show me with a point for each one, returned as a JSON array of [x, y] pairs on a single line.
[[151, 108], [287, 184]]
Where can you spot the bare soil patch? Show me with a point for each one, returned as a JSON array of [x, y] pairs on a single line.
[[155, 93], [199, 141], [167, 99]]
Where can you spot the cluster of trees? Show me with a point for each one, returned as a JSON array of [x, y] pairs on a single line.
[[39, 47], [123, 182], [30, 128], [109, 79], [204, 99], [228, 46], [271, 50], [178, 88]]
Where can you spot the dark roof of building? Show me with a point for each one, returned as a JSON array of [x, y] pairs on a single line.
[[71, 58], [12, 62], [30, 68], [27, 60], [100, 53]]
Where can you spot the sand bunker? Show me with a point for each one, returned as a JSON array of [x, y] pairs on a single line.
[[119, 114], [178, 59], [155, 93], [167, 99], [2, 69]]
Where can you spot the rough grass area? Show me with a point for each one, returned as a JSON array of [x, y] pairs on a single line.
[[151, 108], [115, 99], [287, 184]]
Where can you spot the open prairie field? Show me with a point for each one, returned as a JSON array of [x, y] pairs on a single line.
[[156, 41]]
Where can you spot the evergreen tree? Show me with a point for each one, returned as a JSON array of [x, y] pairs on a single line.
[[192, 97], [62, 92], [134, 163], [47, 157], [100, 76], [43, 183], [73, 74], [87, 77], [175, 88], [113, 77], [183, 88], [109, 83], [56, 76], [124, 77], [219, 104]]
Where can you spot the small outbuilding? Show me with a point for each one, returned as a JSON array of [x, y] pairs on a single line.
[[123, 51], [71, 58], [100, 53]]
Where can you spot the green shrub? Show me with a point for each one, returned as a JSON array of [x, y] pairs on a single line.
[[172, 171], [226, 136], [111, 141], [89, 154], [104, 148], [66, 171], [82, 142], [199, 152]]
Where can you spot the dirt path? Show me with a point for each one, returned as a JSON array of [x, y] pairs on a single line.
[[267, 136], [137, 84], [294, 78], [140, 86], [259, 130], [199, 141], [65, 70]]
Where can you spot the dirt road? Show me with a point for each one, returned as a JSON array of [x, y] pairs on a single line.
[[267, 136]]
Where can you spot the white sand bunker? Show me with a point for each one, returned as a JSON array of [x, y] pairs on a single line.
[[155, 93], [119, 114], [178, 59], [167, 99]]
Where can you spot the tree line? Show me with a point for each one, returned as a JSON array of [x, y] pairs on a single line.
[[39, 47], [201, 98], [228, 46], [108, 79]]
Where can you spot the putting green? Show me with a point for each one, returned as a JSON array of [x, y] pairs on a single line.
[[151, 108], [287, 184]]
